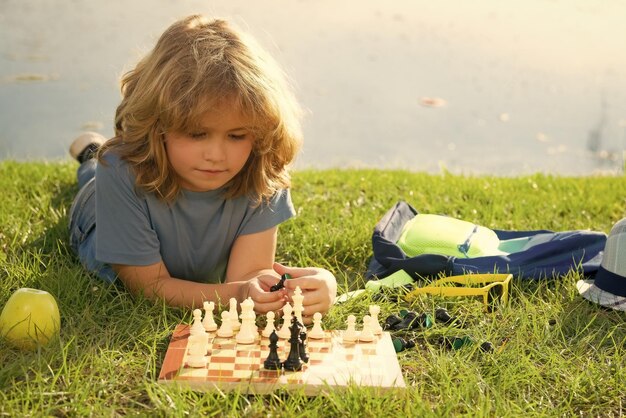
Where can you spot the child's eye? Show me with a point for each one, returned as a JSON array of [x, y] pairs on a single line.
[[197, 135], [238, 137]]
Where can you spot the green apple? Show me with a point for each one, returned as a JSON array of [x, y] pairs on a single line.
[[30, 318]]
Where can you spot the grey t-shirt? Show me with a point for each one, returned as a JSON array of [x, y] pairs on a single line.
[[193, 236]]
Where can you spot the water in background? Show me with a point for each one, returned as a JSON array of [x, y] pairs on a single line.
[[495, 87]]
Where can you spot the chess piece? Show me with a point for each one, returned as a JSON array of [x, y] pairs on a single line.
[[208, 321], [374, 312], [197, 350], [366, 335], [197, 329], [281, 283], [350, 335], [269, 328], [293, 362], [234, 315], [198, 342], [225, 329], [284, 331], [317, 332], [248, 331], [454, 343], [391, 322], [414, 321], [442, 315], [297, 303], [272, 362], [304, 356], [400, 344]]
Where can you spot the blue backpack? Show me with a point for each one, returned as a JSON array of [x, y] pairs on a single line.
[[525, 254]]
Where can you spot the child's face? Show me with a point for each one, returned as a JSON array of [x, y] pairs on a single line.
[[209, 157]]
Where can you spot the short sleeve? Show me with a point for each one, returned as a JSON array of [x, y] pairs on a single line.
[[270, 213], [123, 230]]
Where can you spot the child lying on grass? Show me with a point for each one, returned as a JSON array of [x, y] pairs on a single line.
[[184, 202]]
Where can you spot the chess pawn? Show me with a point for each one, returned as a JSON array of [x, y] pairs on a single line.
[[350, 335], [225, 330], [208, 321], [317, 332], [234, 315], [367, 334], [269, 328], [198, 346], [375, 324], [197, 329], [284, 331]]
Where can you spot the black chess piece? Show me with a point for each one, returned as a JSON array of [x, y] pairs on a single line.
[[454, 343], [391, 322], [400, 344], [272, 362], [487, 347], [281, 282], [409, 321], [304, 356], [413, 320], [442, 315], [294, 362]]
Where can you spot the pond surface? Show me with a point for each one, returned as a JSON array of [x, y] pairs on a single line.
[[481, 87]]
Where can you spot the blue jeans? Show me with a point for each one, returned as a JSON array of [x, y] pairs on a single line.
[[82, 223]]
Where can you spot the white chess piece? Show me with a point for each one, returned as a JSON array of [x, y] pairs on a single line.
[[297, 303], [248, 331], [284, 331], [251, 302], [225, 329], [198, 346], [350, 335], [269, 328], [197, 329], [209, 321], [375, 324], [317, 332], [367, 334], [234, 315]]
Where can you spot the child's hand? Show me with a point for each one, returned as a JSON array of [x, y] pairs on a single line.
[[258, 289], [319, 288]]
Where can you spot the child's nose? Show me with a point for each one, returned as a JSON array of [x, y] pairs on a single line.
[[214, 150]]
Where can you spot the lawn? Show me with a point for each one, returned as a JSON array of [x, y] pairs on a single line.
[[555, 353]]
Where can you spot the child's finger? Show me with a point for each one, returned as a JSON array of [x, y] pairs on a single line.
[[305, 283], [293, 271], [265, 307], [310, 310]]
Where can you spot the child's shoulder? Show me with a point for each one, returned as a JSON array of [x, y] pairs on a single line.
[[112, 158], [112, 165]]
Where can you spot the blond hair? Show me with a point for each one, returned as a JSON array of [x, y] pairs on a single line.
[[196, 64]]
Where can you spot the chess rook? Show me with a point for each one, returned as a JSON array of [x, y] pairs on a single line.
[[209, 321]]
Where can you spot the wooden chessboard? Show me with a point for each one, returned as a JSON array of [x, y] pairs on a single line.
[[332, 365]]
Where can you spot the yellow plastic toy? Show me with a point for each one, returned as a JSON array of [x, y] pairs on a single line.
[[495, 286]]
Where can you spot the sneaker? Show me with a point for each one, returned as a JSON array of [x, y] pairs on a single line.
[[85, 146]]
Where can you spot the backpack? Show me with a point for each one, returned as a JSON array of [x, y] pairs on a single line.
[[525, 254]]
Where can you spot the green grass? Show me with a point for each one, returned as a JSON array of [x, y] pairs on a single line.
[[111, 346]]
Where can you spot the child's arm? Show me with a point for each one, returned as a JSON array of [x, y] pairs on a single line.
[[319, 288], [155, 283], [249, 274]]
